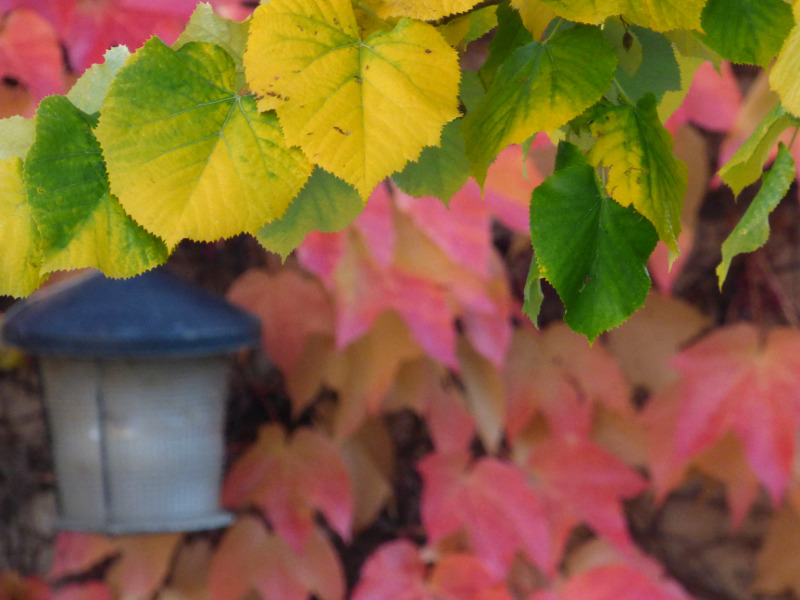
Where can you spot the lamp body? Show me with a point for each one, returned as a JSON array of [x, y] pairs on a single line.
[[135, 385], [137, 443]]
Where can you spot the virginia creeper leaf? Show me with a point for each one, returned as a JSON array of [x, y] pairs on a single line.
[[326, 204], [622, 582], [90, 90], [175, 129], [734, 380], [252, 559], [659, 72], [288, 480], [21, 259], [642, 170], [358, 108], [440, 171], [747, 163], [658, 15], [783, 75], [81, 223], [492, 501], [752, 231], [747, 31], [540, 87], [593, 250]]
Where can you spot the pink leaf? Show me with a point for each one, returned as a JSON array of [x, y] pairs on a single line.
[[735, 380], [492, 502], [289, 480], [291, 305], [251, 558]]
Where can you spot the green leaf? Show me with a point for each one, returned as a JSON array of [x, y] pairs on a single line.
[[752, 231], [593, 250], [468, 27], [625, 43], [747, 163], [642, 170], [659, 15], [17, 135], [326, 204], [90, 90], [747, 31], [511, 34], [187, 155], [21, 258], [659, 71], [206, 26], [81, 223], [539, 88], [534, 296], [441, 170]]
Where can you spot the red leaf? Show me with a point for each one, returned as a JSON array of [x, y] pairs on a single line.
[[396, 572], [15, 587], [618, 582], [30, 52], [251, 558], [733, 380], [493, 502], [291, 305], [584, 483], [713, 100], [289, 480], [91, 590], [76, 552]]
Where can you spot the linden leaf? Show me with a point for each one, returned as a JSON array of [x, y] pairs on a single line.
[[439, 171], [358, 108], [422, 10], [174, 127], [747, 163], [21, 259], [541, 86], [467, 28], [783, 76], [90, 90], [752, 231], [536, 15], [81, 223], [325, 204], [658, 15], [660, 73], [643, 171], [590, 248], [747, 31]]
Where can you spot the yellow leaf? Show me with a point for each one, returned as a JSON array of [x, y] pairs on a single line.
[[658, 15], [358, 109], [536, 15], [783, 78], [21, 258], [424, 10]]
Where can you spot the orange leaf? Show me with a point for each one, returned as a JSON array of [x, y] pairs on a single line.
[[290, 479], [251, 558]]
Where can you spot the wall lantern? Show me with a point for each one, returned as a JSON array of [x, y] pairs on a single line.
[[134, 375]]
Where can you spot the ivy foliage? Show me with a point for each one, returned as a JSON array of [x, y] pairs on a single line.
[[285, 123]]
